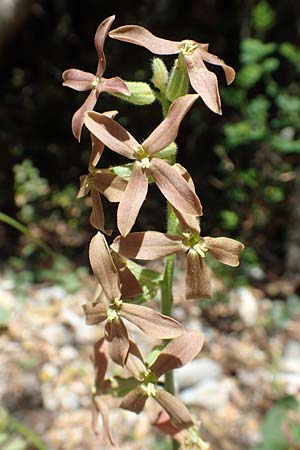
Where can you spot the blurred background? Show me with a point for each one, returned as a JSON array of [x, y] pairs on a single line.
[[245, 165]]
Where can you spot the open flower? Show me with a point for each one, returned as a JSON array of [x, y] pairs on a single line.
[[113, 310], [85, 81], [194, 54], [152, 245], [100, 181], [147, 162], [176, 354]]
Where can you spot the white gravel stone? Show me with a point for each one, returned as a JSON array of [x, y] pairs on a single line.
[[210, 393], [247, 306], [197, 371]]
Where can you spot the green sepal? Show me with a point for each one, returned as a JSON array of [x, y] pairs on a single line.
[[160, 74], [123, 171], [153, 355], [149, 280], [140, 93], [178, 84], [169, 153]]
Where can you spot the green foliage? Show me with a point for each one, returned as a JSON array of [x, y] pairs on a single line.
[[273, 436], [149, 280], [263, 16]]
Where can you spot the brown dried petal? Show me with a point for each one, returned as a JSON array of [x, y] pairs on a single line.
[[84, 188], [129, 284], [78, 79], [134, 362], [78, 117], [178, 352], [110, 185], [198, 283], [167, 131], [148, 245], [103, 267], [95, 313], [100, 358], [224, 249], [114, 85], [97, 214], [174, 187], [132, 199], [134, 401], [203, 81], [151, 322], [99, 40], [117, 336], [111, 133], [135, 34], [100, 407], [179, 414], [97, 145], [213, 59]]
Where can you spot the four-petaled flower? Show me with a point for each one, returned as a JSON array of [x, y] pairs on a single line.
[[85, 81], [176, 354], [194, 54], [114, 309], [147, 162]]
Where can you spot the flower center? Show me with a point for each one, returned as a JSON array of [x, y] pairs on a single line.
[[190, 239], [142, 156], [149, 382], [187, 47], [96, 82], [114, 309]]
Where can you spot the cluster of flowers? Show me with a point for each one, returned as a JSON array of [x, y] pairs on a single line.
[[114, 303]]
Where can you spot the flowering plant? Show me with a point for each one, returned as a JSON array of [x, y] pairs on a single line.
[[122, 285]]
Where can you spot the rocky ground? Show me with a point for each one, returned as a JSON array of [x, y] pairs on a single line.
[[250, 359]]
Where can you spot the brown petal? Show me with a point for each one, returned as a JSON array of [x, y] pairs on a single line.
[[151, 322], [117, 336], [129, 284], [110, 185], [134, 362], [97, 215], [78, 79], [203, 81], [100, 407], [164, 424], [187, 221], [213, 59], [224, 249], [174, 187], [100, 360], [132, 200], [134, 401], [78, 117], [112, 134], [84, 186], [140, 36], [103, 267], [114, 85], [148, 245], [99, 40], [95, 313], [167, 131], [178, 352], [197, 283], [179, 414], [97, 145]]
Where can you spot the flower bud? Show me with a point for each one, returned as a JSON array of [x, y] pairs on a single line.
[[140, 93], [160, 74]]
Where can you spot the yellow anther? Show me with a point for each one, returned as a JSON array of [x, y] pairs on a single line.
[[187, 47], [96, 82]]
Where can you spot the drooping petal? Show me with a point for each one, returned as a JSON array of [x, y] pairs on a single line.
[[100, 358], [112, 134], [179, 414], [178, 352], [103, 267], [97, 214], [134, 401], [197, 282], [84, 188], [78, 117], [135, 34], [99, 40], [187, 221], [224, 249], [174, 187], [97, 145], [129, 284], [164, 424], [78, 79], [117, 336], [95, 313], [151, 322], [100, 407], [132, 199], [203, 81], [110, 185], [167, 131], [213, 59], [148, 245], [134, 362], [113, 85]]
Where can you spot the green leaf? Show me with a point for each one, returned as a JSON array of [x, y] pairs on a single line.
[[253, 50], [263, 16], [249, 75], [290, 52], [285, 145]]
